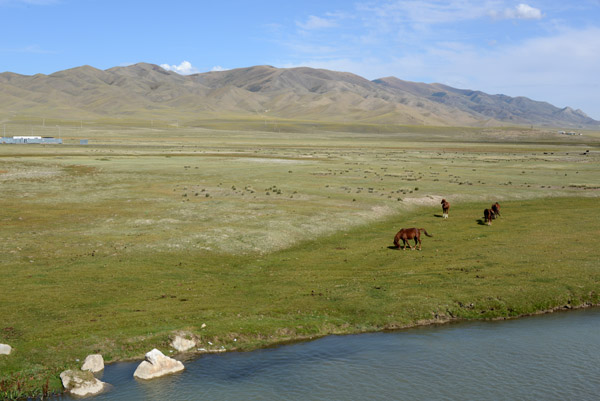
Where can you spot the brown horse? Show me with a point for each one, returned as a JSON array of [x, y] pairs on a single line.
[[496, 209], [488, 215], [406, 234], [445, 208]]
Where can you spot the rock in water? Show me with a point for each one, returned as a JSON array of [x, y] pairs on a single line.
[[81, 383], [156, 365], [5, 349], [94, 363]]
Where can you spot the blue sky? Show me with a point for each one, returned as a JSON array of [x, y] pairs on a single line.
[[546, 50]]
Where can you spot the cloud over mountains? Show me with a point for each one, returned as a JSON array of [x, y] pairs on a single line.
[[185, 68]]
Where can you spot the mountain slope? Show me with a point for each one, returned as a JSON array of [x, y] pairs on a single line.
[[519, 110], [146, 90]]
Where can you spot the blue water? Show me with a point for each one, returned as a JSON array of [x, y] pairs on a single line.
[[549, 357]]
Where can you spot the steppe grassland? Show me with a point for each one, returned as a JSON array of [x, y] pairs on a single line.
[[265, 237], [237, 192]]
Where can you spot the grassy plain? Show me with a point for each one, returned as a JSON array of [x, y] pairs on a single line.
[[267, 236]]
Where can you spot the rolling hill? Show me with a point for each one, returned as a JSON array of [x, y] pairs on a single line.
[[149, 91]]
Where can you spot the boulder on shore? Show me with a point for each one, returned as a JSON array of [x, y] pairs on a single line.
[[182, 344], [94, 363], [156, 365], [5, 349], [81, 383]]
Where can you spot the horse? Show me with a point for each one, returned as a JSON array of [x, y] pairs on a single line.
[[445, 208], [406, 234], [488, 215], [496, 209]]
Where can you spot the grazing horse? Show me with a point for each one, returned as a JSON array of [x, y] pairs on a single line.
[[406, 234], [445, 208], [488, 215], [496, 209]]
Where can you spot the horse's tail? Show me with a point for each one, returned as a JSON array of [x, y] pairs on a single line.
[[425, 231]]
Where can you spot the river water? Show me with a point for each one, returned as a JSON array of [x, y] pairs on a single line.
[[547, 357]]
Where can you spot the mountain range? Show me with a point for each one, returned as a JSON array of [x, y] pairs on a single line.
[[147, 91]]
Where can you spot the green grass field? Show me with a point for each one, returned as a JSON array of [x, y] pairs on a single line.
[[269, 237]]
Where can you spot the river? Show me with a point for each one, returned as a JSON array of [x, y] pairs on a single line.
[[547, 357]]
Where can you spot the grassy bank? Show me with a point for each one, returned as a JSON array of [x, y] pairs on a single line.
[[265, 238], [540, 255]]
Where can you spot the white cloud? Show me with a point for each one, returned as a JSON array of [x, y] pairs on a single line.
[[524, 11], [521, 11], [185, 68], [218, 68], [314, 22]]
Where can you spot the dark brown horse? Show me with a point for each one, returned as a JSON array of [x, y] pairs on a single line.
[[488, 215], [406, 234], [496, 209], [445, 208]]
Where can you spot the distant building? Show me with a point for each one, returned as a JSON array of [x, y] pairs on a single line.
[[31, 139]]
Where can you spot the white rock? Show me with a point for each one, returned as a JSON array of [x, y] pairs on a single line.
[[5, 349], [81, 383], [156, 365], [94, 363], [182, 344]]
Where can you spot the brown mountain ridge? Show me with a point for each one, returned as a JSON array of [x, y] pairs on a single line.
[[146, 91]]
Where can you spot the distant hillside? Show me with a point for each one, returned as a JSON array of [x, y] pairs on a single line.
[[147, 90]]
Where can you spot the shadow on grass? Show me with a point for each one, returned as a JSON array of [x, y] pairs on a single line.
[[481, 222], [408, 247], [438, 215]]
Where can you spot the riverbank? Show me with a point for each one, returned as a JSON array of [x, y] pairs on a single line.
[[534, 258], [554, 356]]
